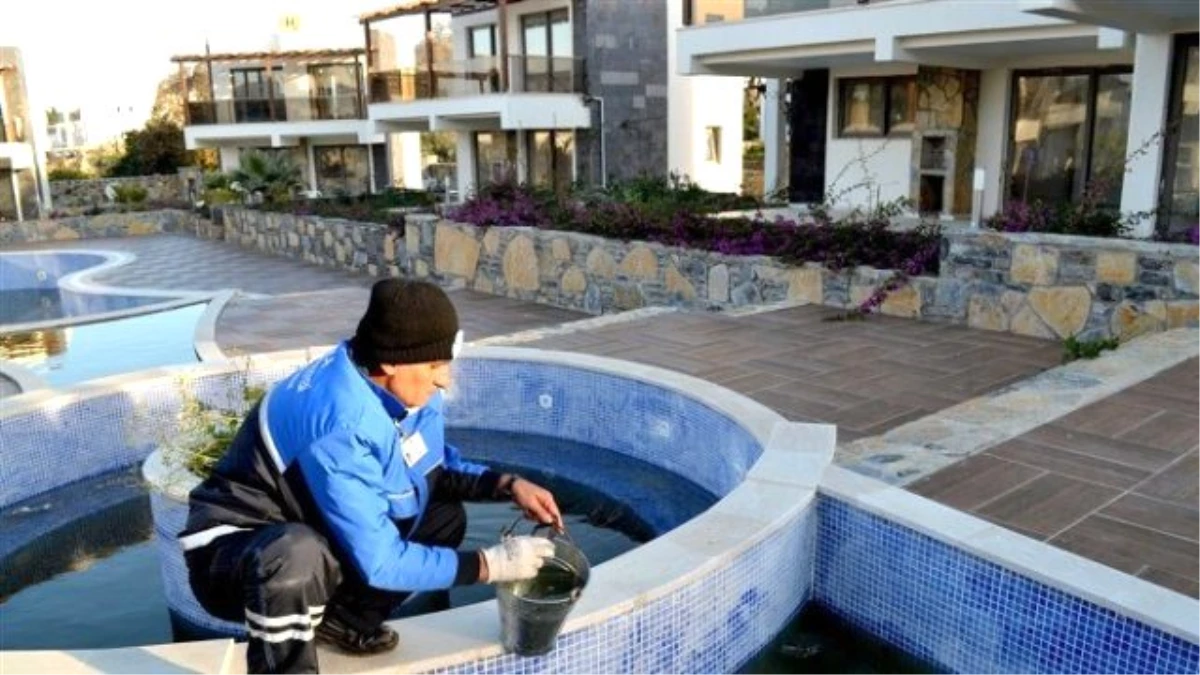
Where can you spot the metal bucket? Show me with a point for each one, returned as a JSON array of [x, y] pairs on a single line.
[[532, 611]]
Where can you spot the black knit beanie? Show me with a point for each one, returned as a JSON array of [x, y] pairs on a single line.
[[406, 322]]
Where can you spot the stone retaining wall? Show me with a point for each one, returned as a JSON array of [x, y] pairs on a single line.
[[1038, 285], [166, 221], [71, 194], [1051, 285]]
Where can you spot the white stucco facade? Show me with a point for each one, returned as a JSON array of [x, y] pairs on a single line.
[[999, 41]]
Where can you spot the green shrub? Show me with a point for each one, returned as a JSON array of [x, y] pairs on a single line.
[[68, 173], [1074, 348], [129, 193]]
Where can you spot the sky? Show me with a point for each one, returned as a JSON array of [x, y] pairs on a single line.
[[102, 55]]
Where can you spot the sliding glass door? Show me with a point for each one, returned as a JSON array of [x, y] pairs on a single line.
[[1179, 210], [1069, 131]]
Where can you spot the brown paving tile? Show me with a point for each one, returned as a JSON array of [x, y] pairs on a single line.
[[1048, 503], [1172, 431], [854, 374], [1180, 521], [1178, 482], [793, 408], [1138, 396], [1121, 452], [974, 481], [792, 366], [755, 380], [810, 389], [1036, 536], [1180, 584], [1067, 463], [1129, 547], [874, 417], [1109, 417]]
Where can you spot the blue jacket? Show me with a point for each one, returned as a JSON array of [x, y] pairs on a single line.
[[345, 456]]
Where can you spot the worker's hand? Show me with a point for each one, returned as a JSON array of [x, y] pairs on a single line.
[[516, 558], [537, 503]]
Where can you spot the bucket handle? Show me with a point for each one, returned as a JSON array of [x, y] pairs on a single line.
[[512, 527]]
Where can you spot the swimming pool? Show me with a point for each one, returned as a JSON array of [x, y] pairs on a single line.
[[40, 289], [59, 328]]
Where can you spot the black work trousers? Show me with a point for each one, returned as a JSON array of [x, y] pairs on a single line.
[[282, 580]]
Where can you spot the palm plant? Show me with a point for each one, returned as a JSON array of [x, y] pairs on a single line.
[[273, 176]]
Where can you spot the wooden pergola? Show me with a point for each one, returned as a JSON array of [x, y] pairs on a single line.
[[428, 8], [265, 57]]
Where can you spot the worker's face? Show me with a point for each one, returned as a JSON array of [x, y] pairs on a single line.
[[415, 383]]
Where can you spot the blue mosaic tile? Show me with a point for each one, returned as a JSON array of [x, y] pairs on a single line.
[[639, 420], [712, 625], [966, 614]]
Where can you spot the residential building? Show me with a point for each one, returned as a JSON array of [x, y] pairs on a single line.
[[553, 92], [871, 100], [24, 189], [309, 104]]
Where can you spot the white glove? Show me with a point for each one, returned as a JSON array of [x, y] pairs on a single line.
[[517, 558]]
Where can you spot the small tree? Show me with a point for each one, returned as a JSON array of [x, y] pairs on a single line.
[[155, 149]]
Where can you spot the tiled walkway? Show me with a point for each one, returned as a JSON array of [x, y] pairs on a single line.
[[1115, 481], [176, 262], [864, 376], [324, 317]]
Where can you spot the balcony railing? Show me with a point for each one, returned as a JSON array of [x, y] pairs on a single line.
[[700, 12], [476, 76], [292, 109]]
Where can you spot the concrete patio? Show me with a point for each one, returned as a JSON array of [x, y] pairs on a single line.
[[1115, 481]]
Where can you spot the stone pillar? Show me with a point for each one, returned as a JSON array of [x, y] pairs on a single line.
[[1148, 109], [774, 137], [944, 136]]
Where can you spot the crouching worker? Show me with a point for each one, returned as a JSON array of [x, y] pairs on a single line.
[[339, 496]]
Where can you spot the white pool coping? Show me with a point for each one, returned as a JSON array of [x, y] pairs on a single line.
[[793, 467], [81, 282]]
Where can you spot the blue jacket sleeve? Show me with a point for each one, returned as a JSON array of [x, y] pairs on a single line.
[[454, 462], [346, 481]]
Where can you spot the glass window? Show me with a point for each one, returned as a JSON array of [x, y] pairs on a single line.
[[541, 158], [483, 40], [877, 106], [341, 169], [257, 98], [1181, 177], [551, 159], [902, 105], [564, 160], [548, 46], [334, 91], [1068, 131], [495, 157], [862, 107]]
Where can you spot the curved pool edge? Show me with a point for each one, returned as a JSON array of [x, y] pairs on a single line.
[[204, 338], [25, 379], [629, 581], [81, 282]]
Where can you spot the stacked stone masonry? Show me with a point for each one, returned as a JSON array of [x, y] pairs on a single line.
[[133, 224], [74, 194], [1047, 286]]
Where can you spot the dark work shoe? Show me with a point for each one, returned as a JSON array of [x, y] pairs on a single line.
[[354, 642]]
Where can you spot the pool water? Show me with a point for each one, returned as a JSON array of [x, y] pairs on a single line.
[[106, 556], [34, 305], [69, 355]]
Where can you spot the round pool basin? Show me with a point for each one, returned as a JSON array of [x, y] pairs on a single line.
[[703, 597]]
